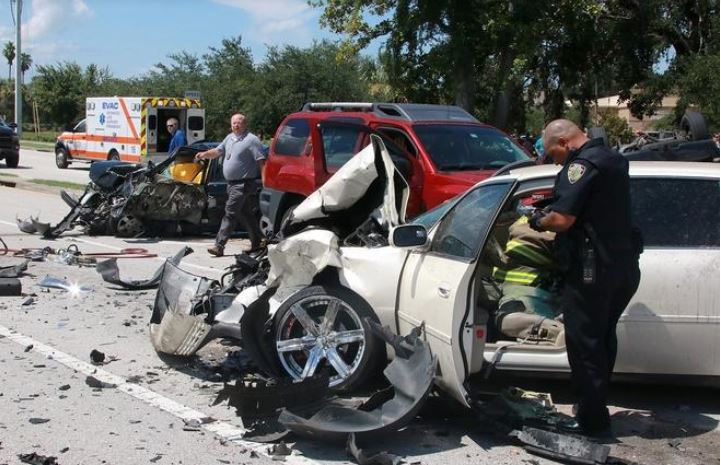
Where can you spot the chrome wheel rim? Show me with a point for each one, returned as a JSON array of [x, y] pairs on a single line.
[[321, 331]]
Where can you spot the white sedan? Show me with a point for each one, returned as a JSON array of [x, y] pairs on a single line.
[[671, 326], [346, 259]]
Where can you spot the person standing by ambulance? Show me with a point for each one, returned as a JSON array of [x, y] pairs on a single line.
[[243, 170], [178, 138], [598, 249]]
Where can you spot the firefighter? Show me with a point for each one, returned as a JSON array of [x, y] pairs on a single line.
[[598, 252], [528, 307]]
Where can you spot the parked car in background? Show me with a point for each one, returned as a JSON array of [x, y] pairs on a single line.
[[440, 149], [9, 144]]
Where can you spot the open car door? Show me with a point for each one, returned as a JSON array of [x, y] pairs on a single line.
[[437, 288]]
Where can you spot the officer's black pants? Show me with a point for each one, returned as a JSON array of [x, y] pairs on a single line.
[[590, 314]]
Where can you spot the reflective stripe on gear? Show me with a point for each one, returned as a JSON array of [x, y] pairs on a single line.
[[526, 278], [524, 250]]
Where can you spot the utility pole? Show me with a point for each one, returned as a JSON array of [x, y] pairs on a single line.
[[18, 71]]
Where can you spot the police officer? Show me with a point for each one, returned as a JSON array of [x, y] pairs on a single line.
[[598, 250]]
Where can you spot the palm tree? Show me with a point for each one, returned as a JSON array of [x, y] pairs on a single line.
[[25, 63], [9, 53]]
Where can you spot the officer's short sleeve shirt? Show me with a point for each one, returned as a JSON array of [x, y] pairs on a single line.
[[573, 186]]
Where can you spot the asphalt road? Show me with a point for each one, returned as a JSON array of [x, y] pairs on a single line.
[[141, 418], [41, 165]]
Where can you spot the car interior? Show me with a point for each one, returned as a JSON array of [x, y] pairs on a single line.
[[518, 302]]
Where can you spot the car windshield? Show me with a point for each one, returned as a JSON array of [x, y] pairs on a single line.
[[456, 147]]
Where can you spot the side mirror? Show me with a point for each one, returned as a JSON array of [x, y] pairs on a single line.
[[13, 125], [409, 235]]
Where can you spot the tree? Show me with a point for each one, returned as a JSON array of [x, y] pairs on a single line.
[[431, 47], [291, 76], [61, 90], [26, 62], [9, 54]]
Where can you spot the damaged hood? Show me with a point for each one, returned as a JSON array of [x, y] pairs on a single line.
[[368, 185]]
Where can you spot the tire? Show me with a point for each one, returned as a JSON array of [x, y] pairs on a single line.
[[694, 124], [12, 160], [61, 158], [114, 155], [350, 364]]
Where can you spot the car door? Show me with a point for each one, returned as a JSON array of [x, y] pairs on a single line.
[[436, 286], [671, 325], [195, 125]]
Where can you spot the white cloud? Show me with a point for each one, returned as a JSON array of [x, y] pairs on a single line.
[[43, 20], [270, 18], [48, 16]]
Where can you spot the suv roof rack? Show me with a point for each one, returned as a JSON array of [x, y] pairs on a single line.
[[405, 111]]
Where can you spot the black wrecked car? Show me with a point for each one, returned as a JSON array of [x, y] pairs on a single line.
[[691, 142], [9, 144], [179, 196]]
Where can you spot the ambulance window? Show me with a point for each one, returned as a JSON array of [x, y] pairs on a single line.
[[152, 122], [195, 123], [80, 127]]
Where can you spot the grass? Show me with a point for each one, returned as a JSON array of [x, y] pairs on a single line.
[[9, 175], [61, 184], [42, 136], [35, 145]]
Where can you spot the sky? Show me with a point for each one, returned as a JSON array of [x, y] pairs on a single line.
[[130, 36]]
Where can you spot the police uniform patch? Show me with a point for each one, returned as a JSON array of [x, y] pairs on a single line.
[[575, 172]]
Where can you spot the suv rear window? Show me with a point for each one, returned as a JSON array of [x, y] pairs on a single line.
[[292, 137], [466, 147], [692, 206]]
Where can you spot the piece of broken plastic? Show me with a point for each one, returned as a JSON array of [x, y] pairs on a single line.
[[57, 283], [362, 458], [110, 273], [411, 379], [569, 449], [14, 271]]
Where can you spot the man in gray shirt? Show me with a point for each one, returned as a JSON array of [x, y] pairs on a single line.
[[242, 169]]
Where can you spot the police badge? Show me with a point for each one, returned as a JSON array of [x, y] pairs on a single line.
[[575, 172]]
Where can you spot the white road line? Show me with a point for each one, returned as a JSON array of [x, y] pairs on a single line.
[[224, 430]]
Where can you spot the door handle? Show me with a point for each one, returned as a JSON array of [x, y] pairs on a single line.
[[444, 290]]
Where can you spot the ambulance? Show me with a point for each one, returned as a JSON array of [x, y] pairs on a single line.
[[130, 129]]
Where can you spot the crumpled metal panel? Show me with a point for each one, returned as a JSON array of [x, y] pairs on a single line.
[[367, 185], [174, 327], [166, 200], [110, 273], [296, 260], [411, 379]]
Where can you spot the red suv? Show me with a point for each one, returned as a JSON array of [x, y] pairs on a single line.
[[441, 150]]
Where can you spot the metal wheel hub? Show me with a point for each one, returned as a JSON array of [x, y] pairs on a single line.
[[321, 331]]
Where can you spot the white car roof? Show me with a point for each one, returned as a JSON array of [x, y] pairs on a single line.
[[676, 169]]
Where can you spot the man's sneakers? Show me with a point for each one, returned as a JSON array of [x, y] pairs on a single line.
[[216, 251]]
